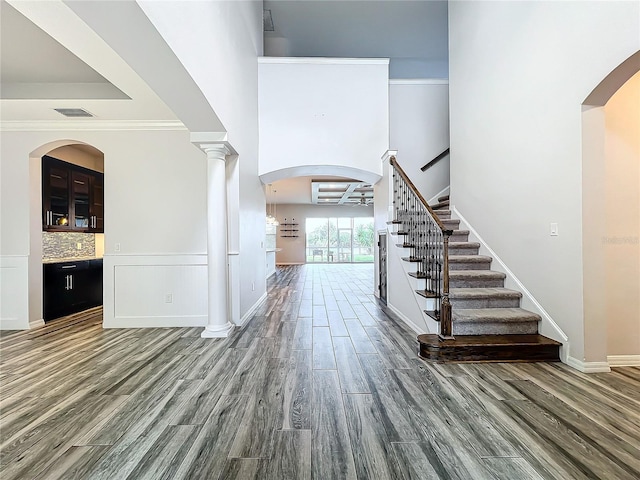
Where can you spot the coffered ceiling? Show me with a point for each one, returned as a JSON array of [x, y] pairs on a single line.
[[320, 190]]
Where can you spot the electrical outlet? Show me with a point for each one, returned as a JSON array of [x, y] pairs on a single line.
[[117, 247], [553, 230], [79, 246], [168, 298]]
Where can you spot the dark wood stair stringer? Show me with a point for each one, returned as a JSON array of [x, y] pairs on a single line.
[[489, 348]]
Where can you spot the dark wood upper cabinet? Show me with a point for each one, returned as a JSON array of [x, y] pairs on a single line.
[[96, 220], [55, 196], [72, 197]]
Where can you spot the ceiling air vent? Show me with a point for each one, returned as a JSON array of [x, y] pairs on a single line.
[[73, 112]]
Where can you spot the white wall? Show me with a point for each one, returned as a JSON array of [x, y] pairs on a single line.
[[323, 112], [293, 249], [72, 154], [419, 130], [622, 240], [519, 72], [218, 44], [155, 201]]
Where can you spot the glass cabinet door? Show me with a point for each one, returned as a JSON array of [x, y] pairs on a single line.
[[80, 196], [96, 219], [58, 213]]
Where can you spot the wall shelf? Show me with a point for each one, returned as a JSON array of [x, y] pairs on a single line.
[[290, 229]]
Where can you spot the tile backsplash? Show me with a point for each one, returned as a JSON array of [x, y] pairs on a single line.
[[65, 245]]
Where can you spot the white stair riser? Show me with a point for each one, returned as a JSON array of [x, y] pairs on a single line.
[[430, 304]]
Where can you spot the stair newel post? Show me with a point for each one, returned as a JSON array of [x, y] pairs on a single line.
[[446, 324]]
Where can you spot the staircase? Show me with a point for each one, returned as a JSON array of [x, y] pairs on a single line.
[[486, 321]]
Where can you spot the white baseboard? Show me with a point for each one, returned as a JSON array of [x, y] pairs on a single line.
[[588, 367], [405, 319], [252, 310], [13, 324], [624, 360], [36, 324], [291, 263], [156, 322], [441, 193]]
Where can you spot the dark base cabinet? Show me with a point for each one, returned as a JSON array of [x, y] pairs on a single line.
[[70, 287]]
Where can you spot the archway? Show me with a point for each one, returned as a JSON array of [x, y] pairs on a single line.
[[611, 216], [317, 192], [330, 170], [71, 151]]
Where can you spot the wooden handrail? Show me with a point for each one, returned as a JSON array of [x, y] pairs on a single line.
[[424, 247], [435, 217], [435, 160]]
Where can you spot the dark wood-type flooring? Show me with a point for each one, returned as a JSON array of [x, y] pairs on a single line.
[[321, 383]]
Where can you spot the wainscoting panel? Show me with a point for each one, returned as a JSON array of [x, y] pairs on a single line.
[[14, 292], [155, 291]]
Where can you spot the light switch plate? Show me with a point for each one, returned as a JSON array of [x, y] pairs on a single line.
[[553, 230]]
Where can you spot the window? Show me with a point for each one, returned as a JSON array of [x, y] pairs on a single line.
[[339, 240]]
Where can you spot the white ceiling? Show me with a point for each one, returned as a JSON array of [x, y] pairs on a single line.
[[51, 59], [28, 55], [413, 34]]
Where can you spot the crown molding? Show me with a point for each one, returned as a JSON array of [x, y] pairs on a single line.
[[89, 124], [325, 60], [419, 81]]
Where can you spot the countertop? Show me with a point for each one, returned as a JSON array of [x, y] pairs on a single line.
[[69, 259]]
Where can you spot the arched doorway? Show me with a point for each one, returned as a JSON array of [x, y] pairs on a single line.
[[54, 236], [611, 216], [297, 190]]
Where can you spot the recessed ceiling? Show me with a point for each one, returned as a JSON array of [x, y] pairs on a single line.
[[320, 190], [412, 34], [50, 58], [34, 65], [347, 192]]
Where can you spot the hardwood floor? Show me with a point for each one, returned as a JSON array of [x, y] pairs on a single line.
[[321, 384]]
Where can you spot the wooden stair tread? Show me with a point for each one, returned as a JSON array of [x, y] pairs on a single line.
[[426, 294], [489, 340], [489, 348], [411, 259], [418, 275]]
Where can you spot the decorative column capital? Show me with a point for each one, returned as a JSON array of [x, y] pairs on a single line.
[[215, 151], [213, 144]]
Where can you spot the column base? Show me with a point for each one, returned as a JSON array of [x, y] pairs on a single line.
[[217, 331]]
